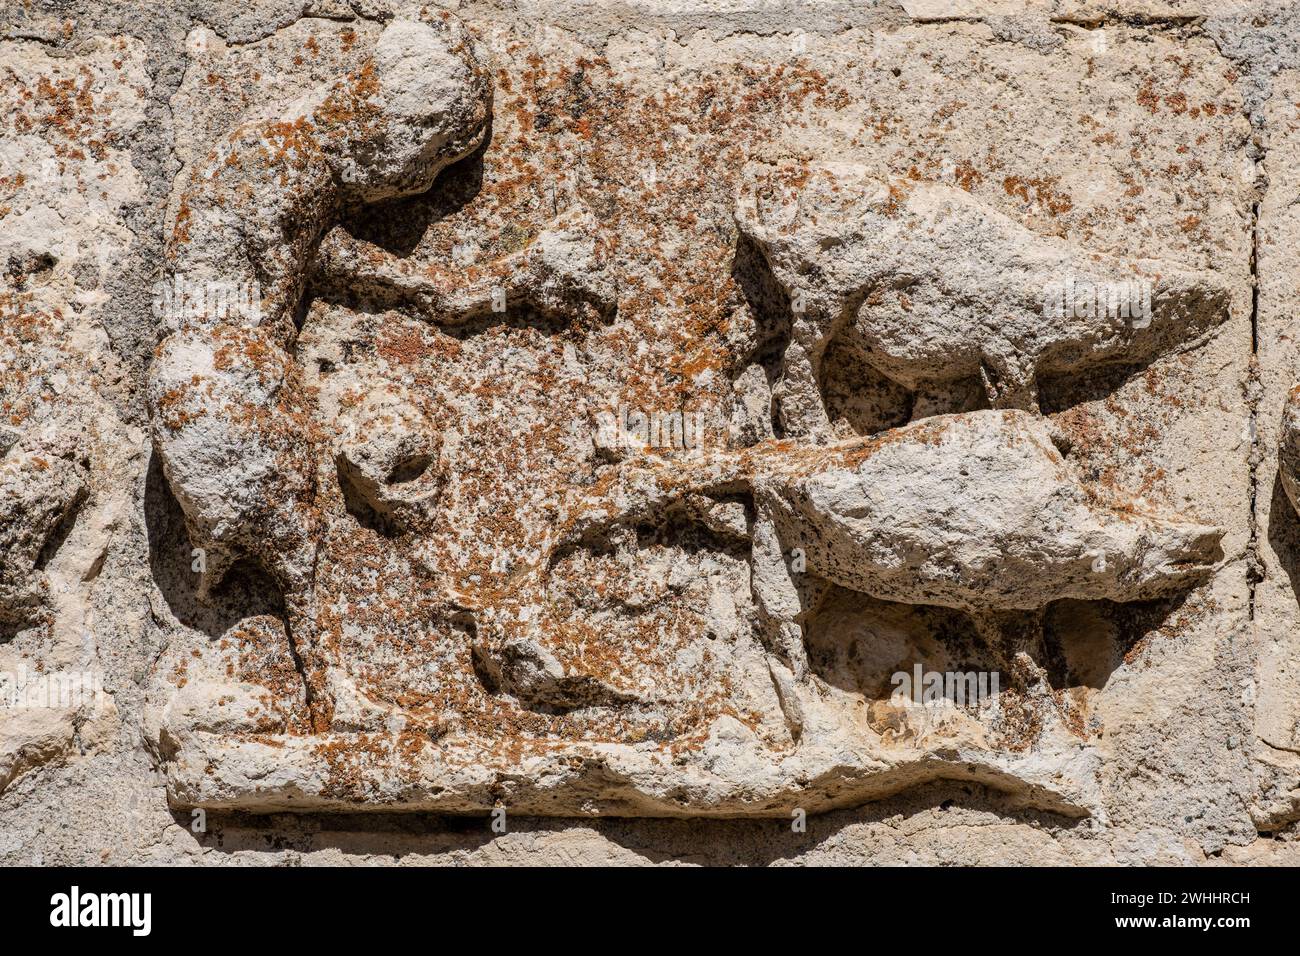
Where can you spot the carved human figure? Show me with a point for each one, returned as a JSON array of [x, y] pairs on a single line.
[[231, 421]]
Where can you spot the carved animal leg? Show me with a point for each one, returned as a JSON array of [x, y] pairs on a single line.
[[1017, 638], [786, 597], [798, 395], [777, 595], [1009, 385], [230, 427]]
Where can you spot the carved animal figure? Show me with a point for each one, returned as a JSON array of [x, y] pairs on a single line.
[[559, 273], [935, 287], [976, 511]]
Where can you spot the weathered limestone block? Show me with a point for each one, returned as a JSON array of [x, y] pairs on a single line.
[[68, 461], [485, 603], [1273, 692], [936, 287], [974, 495]]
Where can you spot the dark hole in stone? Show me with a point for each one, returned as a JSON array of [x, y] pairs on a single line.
[[409, 469]]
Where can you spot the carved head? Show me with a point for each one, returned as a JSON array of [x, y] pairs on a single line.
[[420, 103]]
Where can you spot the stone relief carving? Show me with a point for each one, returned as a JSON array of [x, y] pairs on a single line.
[[932, 287], [631, 633]]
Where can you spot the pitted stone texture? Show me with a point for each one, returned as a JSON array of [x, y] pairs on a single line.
[[449, 615], [1117, 128], [251, 220], [67, 461], [980, 512]]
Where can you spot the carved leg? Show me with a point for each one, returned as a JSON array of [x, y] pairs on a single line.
[[1009, 384], [1016, 637]]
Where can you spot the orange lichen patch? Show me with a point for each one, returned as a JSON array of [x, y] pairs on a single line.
[[74, 111], [172, 408], [289, 143], [404, 345], [350, 109], [967, 176], [251, 349], [1147, 95], [181, 225], [32, 343], [1039, 190], [1113, 441], [897, 196]]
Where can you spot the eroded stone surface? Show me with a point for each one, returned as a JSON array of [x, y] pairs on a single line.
[[930, 288], [434, 580], [67, 460], [702, 699], [1277, 713]]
